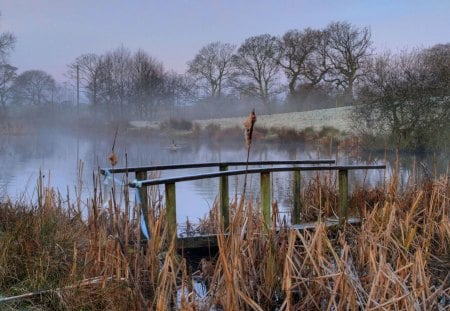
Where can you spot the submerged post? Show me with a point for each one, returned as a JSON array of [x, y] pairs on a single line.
[[142, 175], [171, 211], [265, 197], [343, 196], [224, 199], [297, 199]]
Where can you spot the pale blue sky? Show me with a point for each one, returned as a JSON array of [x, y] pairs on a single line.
[[52, 33]]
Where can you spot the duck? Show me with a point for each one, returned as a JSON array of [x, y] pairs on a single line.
[[173, 147]]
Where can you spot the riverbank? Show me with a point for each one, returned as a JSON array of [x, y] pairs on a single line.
[[338, 118]]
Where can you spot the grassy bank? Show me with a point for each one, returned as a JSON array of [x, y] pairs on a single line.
[[397, 259], [339, 118]]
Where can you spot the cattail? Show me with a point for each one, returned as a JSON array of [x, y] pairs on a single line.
[[112, 158], [248, 125]]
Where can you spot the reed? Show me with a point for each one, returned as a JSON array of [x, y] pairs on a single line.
[[396, 259], [249, 123]]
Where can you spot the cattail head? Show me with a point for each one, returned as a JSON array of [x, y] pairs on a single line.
[[249, 122], [112, 159]]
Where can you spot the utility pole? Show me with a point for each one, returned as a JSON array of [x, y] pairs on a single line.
[[78, 117], [78, 91]]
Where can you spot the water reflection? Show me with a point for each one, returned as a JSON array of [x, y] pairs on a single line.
[[58, 154]]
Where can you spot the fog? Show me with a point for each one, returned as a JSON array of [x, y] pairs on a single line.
[[57, 154]]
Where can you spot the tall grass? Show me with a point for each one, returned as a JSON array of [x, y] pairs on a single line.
[[397, 259]]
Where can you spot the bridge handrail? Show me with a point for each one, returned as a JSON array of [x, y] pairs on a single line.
[[103, 171], [169, 180], [142, 182]]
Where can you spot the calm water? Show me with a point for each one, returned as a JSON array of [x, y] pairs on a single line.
[[58, 155]]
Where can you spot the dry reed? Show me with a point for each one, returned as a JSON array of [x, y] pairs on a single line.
[[397, 259]]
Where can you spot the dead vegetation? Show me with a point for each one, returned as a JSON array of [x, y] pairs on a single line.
[[397, 259], [51, 257]]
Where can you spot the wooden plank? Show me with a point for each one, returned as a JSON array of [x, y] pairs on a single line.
[[224, 199], [329, 223], [210, 241], [211, 164], [343, 195], [142, 175], [159, 181], [265, 197], [203, 241], [295, 219], [171, 210]]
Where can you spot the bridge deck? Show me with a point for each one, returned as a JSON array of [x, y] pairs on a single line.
[[210, 240]]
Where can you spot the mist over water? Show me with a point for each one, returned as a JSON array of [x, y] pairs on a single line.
[[57, 155]]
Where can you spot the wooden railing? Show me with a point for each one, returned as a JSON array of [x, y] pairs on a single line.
[[142, 182], [141, 174]]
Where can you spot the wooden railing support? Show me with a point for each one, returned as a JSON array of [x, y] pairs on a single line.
[[171, 210], [265, 197], [343, 196], [297, 198], [224, 200], [224, 173], [142, 175]]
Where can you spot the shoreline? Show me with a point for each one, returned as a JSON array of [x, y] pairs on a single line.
[[338, 118]]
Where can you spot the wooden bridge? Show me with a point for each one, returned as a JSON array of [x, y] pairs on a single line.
[[295, 166]]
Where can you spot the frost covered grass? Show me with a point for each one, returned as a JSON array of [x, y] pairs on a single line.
[[338, 118]]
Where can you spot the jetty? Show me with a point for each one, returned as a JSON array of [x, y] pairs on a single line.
[[264, 168]]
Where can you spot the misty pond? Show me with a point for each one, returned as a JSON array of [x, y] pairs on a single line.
[[58, 156]]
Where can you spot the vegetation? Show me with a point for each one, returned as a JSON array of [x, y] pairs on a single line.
[[407, 97], [56, 256], [403, 97], [177, 124], [397, 258]]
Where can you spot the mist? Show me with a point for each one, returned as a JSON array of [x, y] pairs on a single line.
[[312, 101]]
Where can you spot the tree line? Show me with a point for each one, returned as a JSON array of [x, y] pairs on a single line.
[[405, 95], [263, 70]]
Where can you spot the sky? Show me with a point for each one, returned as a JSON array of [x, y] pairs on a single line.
[[52, 33]]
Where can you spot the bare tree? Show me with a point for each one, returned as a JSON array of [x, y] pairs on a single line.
[[299, 55], [120, 73], [33, 87], [212, 66], [7, 72], [89, 73], [7, 42], [349, 48], [147, 83], [123, 85], [7, 75], [258, 67], [407, 96], [436, 62]]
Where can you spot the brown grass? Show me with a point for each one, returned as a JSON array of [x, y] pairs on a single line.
[[396, 260]]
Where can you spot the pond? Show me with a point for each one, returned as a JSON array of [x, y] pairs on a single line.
[[58, 155]]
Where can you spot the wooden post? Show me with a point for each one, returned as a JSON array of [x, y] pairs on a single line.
[[171, 210], [265, 197], [343, 196], [142, 175], [297, 202], [224, 199]]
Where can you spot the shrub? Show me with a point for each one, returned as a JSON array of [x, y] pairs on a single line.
[[177, 124]]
